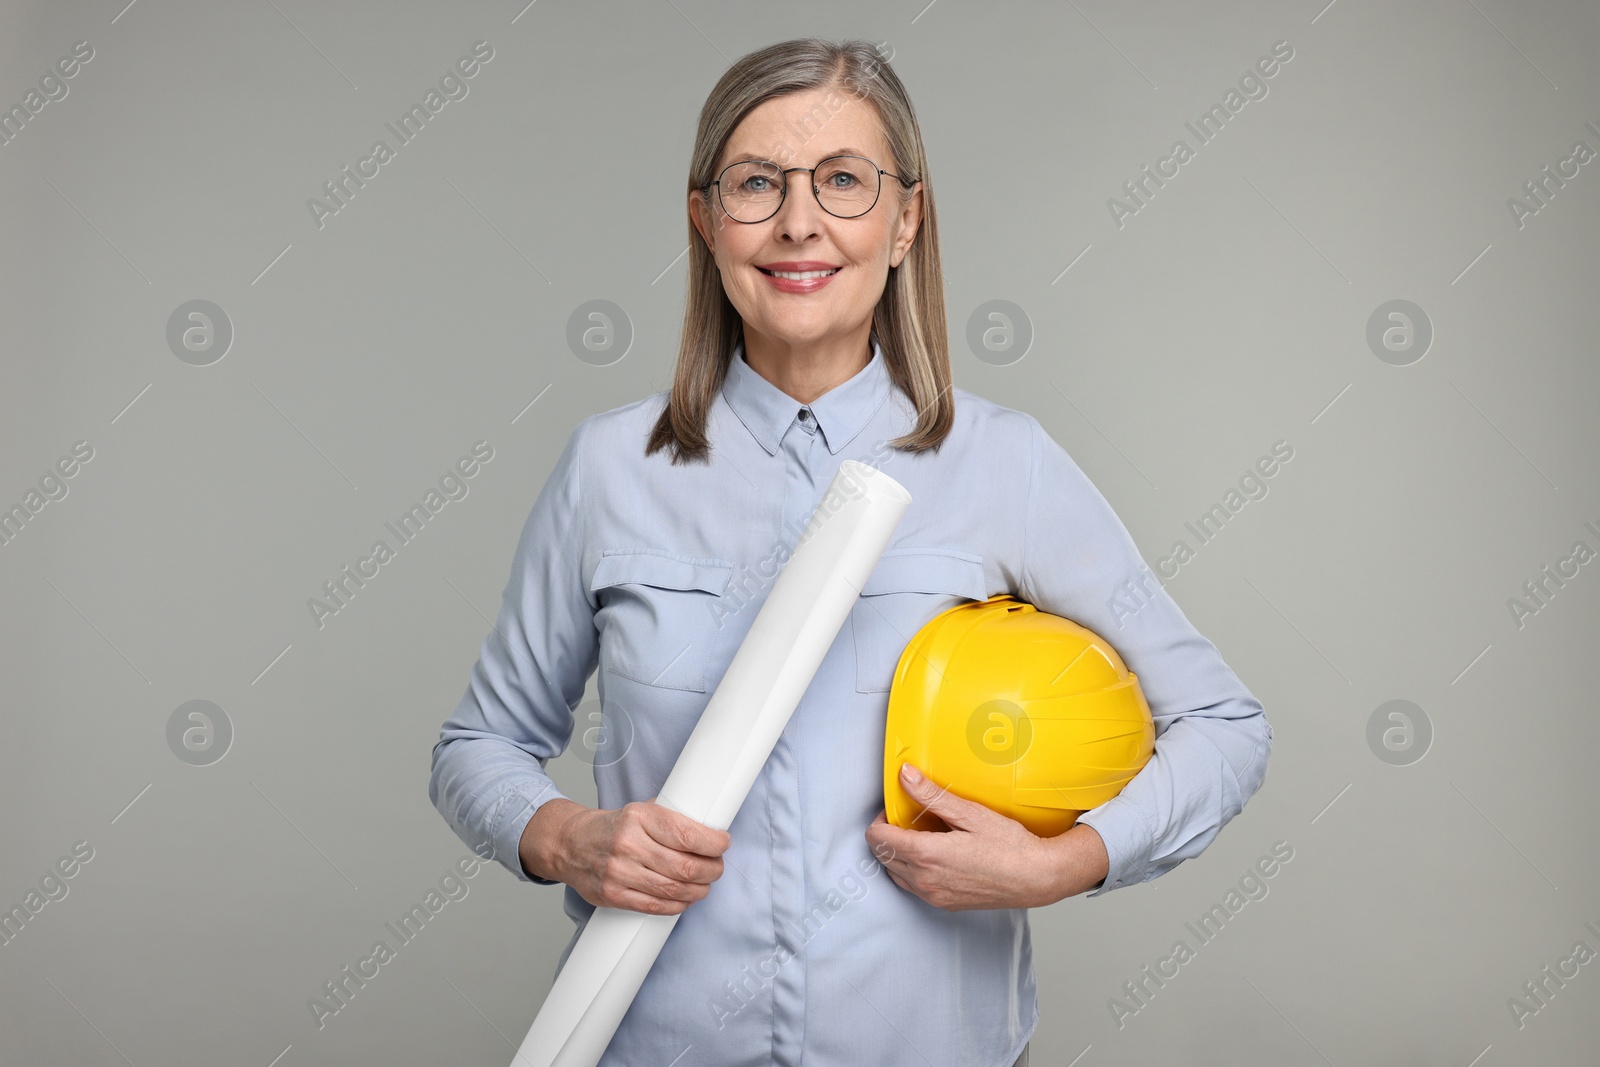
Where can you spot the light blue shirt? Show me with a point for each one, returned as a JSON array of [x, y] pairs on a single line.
[[653, 573]]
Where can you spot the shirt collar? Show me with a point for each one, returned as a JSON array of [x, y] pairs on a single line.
[[840, 413]]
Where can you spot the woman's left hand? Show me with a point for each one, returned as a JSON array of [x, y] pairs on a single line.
[[986, 860]]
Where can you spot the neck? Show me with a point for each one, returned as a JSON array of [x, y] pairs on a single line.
[[806, 372]]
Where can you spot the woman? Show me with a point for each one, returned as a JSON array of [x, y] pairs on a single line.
[[815, 333]]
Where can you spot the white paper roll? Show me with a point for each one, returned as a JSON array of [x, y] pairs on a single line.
[[729, 745]]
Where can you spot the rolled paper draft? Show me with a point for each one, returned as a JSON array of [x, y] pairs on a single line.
[[725, 752]]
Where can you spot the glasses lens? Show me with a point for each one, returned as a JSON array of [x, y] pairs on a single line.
[[752, 190], [847, 185]]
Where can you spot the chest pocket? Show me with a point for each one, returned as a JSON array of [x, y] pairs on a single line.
[[908, 587], [656, 616]]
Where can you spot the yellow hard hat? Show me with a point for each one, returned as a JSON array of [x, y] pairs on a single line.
[[1021, 711]]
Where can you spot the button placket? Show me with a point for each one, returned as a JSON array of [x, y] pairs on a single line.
[[802, 489]]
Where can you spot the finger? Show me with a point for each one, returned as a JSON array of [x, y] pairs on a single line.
[[883, 839], [882, 830], [657, 868], [940, 801], [683, 834], [633, 900], [662, 872]]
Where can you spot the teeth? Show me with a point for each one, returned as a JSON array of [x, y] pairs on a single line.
[[802, 275]]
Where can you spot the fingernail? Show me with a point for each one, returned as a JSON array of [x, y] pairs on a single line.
[[910, 774]]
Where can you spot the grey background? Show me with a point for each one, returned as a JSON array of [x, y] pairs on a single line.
[[368, 355]]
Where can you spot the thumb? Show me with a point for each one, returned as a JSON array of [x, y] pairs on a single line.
[[938, 799]]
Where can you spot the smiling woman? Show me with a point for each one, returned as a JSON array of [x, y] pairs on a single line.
[[853, 200], [806, 346], [814, 334]]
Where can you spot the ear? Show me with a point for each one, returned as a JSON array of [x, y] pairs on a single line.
[[909, 222], [699, 218]]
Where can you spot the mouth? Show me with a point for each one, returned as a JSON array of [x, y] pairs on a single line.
[[800, 275]]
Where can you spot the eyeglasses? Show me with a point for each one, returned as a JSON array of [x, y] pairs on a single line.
[[846, 186]]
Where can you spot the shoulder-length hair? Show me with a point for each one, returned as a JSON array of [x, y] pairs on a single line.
[[909, 321]]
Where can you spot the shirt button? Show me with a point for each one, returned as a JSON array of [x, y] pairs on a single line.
[[804, 414]]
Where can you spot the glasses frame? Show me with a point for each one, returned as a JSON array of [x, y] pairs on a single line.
[[783, 195]]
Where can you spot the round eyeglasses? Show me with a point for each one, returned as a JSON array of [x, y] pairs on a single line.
[[847, 187]]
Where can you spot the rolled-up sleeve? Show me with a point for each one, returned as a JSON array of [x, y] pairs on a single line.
[[488, 774], [1212, 736]]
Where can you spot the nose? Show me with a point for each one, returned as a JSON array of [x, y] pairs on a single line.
[[800, 214]]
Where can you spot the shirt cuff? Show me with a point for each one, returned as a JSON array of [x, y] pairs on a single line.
[[1127, 840], [508, 824]]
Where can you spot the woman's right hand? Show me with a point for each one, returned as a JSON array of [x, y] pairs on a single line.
[[639, 857]]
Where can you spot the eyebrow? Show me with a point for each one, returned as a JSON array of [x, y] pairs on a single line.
[[737, 157]]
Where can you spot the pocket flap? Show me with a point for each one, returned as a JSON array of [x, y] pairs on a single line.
[[660, 570], [927, 571]]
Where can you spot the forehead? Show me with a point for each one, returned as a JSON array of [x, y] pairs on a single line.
[[803, 128]]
